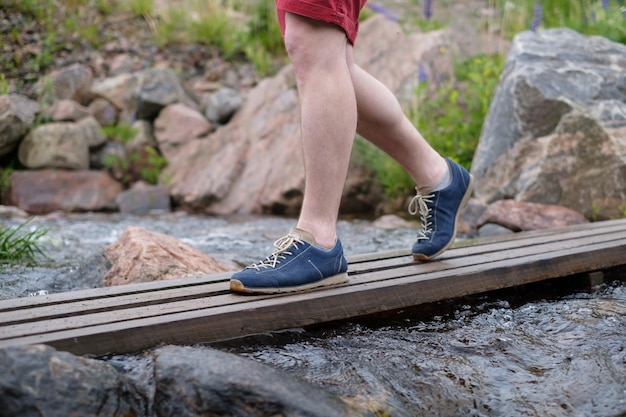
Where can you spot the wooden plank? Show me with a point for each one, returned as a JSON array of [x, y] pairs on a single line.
[[202, 310], [356, 264], [259, 316], [227, 321], [514, 239], [105, 310]]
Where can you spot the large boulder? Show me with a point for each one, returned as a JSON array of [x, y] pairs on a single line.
[[556, 129], [206, 382], [45, 191], [254, 163], [39, 381]]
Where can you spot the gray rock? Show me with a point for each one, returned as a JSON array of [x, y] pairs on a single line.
[[222, 105], [55, 145], [72, 83], [204, 382], [38, 381], [556, 128], [155, 90], [17, 114], [143, 200]]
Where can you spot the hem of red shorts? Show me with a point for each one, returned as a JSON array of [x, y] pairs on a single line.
[[317, 12]]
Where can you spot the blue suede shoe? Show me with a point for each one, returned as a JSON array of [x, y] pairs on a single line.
[[297, 264], [439, 212]]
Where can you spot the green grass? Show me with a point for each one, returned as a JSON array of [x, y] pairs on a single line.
[[589, 17], [18, 245]]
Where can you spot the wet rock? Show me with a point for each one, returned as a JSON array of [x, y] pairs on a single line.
[[10, 212], [556, 128], [521, 216], [143, 198], [492, 229], [45, 191], [17, 114], [143, 256], [38, 381], [206, 382], [176, 125]]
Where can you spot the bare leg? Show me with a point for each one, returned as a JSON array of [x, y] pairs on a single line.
[[382, 121], [318, 53]]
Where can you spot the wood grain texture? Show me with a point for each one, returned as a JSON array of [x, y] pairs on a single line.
[[200, 310]]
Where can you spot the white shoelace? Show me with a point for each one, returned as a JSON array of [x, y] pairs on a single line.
[[419, 204], [282, 245]]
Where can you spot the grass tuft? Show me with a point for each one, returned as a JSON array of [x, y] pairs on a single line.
[[18, 245]]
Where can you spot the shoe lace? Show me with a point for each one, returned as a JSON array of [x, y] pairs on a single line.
[[280, 252], [420, 204]]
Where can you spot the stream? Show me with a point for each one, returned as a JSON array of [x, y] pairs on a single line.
[[549, 349]]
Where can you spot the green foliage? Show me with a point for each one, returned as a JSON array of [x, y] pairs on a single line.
[[589, 17], [450, 116], [5, 88], [122, 132], [5, 178], [18, 245], [154, 163], [140, 7], [392, 178], [146, 163], [211, 23]]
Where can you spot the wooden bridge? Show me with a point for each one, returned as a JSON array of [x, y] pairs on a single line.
[[195, 310]]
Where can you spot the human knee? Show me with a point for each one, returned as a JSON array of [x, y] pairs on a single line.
[[312, 43]]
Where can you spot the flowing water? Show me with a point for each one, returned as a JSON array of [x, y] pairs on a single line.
[[542, 350]]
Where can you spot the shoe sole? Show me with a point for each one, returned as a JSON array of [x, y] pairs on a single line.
[[466, 197], [237, 286]]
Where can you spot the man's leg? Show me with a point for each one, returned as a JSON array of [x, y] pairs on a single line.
[[328, 119], [311, 255], [382, 121], [443, 187]]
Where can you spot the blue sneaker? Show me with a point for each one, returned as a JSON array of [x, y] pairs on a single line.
[[297, 264], [439, 212]]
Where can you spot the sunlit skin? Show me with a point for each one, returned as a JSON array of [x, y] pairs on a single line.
[[328, 80]]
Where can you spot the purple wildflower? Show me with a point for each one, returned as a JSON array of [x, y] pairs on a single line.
[[379, 8], [537, 17], [422, 74], [428, 9], [605, 4]]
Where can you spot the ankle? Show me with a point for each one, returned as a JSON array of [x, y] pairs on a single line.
[[323, 238]]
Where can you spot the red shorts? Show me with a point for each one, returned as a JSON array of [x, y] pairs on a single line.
[[344, 13]]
